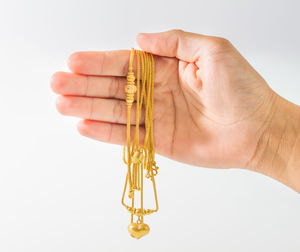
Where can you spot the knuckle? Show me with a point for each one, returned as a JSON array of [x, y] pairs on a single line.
[[102, 60], [125, 68], [114, 87], [117, 111], [218, 45], [110, 132], [177, 31], [133, 115], [87, 85], [92, 105], [173, 40]]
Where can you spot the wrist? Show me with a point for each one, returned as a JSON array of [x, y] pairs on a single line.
[[277, 152]]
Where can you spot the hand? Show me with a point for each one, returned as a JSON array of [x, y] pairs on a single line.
[[208, 100], [211, 108]]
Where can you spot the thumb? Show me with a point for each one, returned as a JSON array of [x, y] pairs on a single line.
[[183, 45]]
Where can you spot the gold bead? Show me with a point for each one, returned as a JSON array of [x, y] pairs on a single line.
[[130, 77], [139, 212], [130, 89]]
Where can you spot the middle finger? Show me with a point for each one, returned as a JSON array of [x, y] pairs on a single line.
[[85, 85]]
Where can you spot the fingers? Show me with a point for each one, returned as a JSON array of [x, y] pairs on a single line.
[[108, 110], [107, 63], [86, 85], [183, 45], [108, 132]]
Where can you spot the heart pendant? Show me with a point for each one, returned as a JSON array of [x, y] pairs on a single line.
[[138, 230]]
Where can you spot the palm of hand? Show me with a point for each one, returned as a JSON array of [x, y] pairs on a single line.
[[206, 111]]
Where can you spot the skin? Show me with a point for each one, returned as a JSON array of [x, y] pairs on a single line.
[[211, 108]]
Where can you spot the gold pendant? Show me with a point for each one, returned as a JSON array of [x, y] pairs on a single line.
[[138, 230]]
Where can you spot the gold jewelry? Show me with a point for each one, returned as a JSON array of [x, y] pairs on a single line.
[[140, 158]]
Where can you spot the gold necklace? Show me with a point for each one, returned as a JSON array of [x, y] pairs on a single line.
[[140, 158]]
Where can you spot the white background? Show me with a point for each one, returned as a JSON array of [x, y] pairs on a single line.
[[61, 192]]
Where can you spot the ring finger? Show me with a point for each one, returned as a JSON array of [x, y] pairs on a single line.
[[108, 110]]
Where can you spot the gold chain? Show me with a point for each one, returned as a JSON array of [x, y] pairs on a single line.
[[140, 158]]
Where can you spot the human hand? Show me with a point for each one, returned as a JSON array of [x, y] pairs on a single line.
[[211, 108]]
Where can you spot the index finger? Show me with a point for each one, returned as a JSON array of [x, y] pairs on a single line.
[[107, 63]]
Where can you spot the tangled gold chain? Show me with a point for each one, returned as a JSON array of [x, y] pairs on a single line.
[[140, 158]]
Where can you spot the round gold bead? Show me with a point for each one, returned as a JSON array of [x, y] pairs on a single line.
[[130, 89]]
